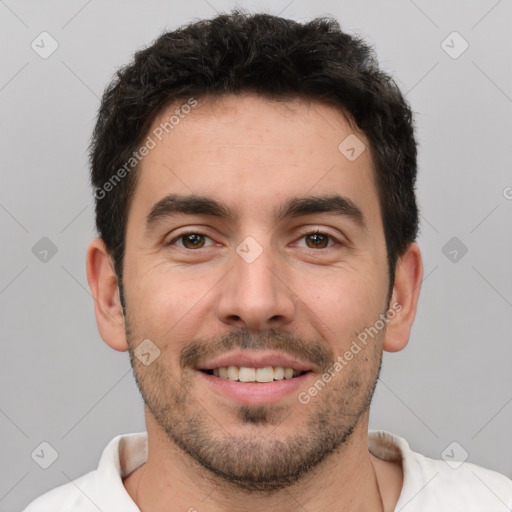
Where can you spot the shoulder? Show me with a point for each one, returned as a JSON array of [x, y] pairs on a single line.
[[442, 485], [469, 486], [103, 488], [77, 495]]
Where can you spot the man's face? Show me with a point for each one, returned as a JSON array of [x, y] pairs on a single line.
[[255, 289]]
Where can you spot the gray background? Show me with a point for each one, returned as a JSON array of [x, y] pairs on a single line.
[[61, 384]]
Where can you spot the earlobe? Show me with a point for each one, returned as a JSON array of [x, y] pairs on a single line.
[[404, 300], [103, 283]]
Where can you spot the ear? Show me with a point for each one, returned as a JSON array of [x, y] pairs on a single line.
[[404, 299], [105, 292]]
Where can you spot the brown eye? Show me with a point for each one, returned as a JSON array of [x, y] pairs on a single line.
[[317, 240], [193, 240]]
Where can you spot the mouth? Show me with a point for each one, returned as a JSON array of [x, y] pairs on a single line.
[[254, 378], [251, 374]]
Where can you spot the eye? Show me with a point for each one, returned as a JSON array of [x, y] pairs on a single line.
[[190, 240], [318, 240], [195, 240]]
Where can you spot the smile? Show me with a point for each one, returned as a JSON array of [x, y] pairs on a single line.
[[250, 377], [251, 374]]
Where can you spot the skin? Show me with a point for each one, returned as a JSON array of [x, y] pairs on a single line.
[[254, 154]]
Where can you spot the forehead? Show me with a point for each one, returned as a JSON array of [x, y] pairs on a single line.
[[254, 154]]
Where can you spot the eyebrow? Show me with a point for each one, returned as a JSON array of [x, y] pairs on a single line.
[[174, 204]]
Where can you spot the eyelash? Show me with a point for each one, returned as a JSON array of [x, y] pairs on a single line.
[[301, 235]]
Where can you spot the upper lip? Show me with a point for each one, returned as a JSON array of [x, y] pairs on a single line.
[[253, 359]]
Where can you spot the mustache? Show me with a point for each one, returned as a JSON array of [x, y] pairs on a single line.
[[269, 339]]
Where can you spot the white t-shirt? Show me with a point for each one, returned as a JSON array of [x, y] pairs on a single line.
[[429, 485]]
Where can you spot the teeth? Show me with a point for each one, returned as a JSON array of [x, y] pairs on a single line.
[[265, 374], [246, 374], [279, 373], [232, 372], [288, 373]]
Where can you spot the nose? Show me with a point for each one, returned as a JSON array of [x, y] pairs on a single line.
[[255, 294]]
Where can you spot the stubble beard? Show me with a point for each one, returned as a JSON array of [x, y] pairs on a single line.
[[254, 461]]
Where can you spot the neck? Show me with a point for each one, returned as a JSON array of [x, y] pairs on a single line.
[[348, 480]]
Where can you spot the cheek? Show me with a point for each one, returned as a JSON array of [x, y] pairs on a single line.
[[170, 307], [350, 302]]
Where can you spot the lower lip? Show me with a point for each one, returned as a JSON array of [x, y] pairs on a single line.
[[255, 393]]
